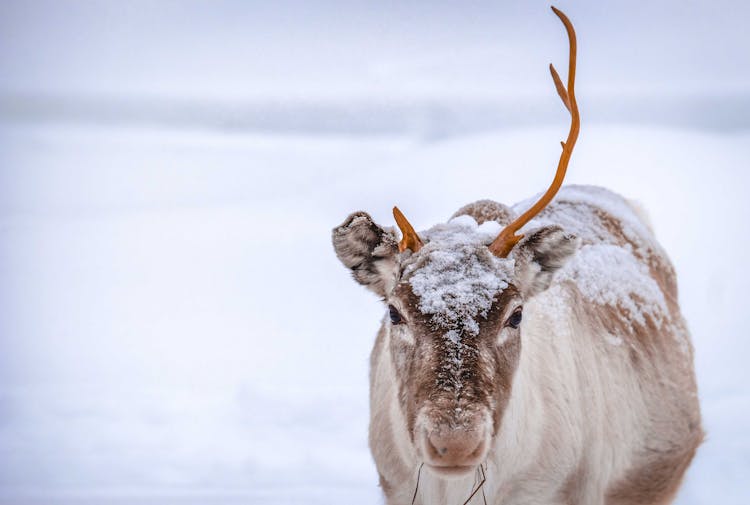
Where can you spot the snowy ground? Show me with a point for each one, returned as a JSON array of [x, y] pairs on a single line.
[[175, 328]]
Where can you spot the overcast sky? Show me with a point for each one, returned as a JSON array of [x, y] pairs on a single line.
[[348, 49]]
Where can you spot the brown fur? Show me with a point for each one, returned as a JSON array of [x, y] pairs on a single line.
[[487, 369], [487, 210], [657, 478]]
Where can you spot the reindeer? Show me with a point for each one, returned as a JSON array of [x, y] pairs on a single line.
[[551, 366]]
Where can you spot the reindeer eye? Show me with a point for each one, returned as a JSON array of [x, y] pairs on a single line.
[[515, 319], [395, 315]]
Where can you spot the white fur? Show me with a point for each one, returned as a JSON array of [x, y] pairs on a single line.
[[555, 418]]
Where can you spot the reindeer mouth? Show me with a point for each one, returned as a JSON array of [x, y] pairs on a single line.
[[456, 471]]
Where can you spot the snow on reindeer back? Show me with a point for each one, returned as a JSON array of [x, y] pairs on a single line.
[[580, 210], [607, 270], [609, 275], [455, 275]]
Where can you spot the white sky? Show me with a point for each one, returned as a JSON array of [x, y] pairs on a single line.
[[342, 50]]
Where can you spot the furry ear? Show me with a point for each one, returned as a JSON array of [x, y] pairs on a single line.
[[539, 255], [368, 250]]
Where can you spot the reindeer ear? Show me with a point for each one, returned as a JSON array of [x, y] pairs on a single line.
[[539, 255], [368, 250]]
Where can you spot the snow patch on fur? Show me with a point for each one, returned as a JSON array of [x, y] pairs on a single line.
[[455, 275]]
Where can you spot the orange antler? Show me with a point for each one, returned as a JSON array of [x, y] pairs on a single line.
[[410, 239], [507, 238]]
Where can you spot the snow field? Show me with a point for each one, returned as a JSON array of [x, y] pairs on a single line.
[[175, 327]]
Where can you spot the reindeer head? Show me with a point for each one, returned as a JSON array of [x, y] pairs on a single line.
[[454, 297]]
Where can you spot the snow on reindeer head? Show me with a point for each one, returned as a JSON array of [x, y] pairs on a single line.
[[455, 297]]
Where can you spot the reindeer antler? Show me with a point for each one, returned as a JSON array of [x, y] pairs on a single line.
[[507, 238], [410, 239]]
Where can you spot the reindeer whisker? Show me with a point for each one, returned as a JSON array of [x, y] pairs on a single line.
[[484, 476], [484, 479], [419, 473]]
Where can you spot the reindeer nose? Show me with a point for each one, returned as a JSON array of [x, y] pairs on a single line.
[[455, 447]]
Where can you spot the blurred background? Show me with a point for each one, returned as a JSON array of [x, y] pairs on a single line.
[[174, 325]]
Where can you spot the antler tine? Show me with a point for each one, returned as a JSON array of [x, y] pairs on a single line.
[[410, 239], [507, 239], [559, 86]]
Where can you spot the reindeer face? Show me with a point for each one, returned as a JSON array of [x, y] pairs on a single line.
[[455, 324]]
